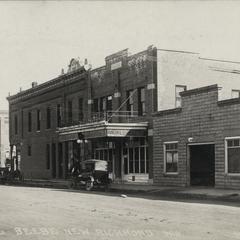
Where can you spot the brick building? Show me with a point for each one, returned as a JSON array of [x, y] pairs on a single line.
[[107, 112], [198, 143]]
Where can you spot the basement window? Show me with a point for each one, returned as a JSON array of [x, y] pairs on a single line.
[[171, 157], [233, 155]]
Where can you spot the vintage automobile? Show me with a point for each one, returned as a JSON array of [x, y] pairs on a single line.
[[90, 173], [7, 175]]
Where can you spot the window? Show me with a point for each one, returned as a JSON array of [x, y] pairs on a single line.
[[109, 103], [103, 104], [38, 120], [141, 102], [80, 109], [178, 89], [29, 121], [95, 105], [48, 156], [171, 157], [233, 155], [130, 102], [29, 150], [135, 155], [59, 118], [70, 111], [235, 93], [16, 124], [48, 117]]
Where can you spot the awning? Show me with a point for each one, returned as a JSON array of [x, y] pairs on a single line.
[[103, 129]]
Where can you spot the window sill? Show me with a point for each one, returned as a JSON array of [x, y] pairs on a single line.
[[232, 174], [170, 173]]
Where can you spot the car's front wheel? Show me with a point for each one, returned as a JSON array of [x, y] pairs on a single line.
[[89, 185]]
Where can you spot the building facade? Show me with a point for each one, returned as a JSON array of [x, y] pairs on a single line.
[[4, 137], [102, 113], [199, 143], [106, 113]]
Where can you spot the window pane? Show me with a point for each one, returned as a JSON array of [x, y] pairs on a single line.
[[230, 143], [142, 160], [169, 157], [130, 160], [136, 160], [234, 160]]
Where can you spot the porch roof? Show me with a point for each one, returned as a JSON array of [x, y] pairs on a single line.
[[103, 129]]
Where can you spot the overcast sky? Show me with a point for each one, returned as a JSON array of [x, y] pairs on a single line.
[[37, 39]]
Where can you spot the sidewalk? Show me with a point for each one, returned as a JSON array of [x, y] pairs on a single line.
[[204, 193]]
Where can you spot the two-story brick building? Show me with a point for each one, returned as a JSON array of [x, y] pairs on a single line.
[[102, 113]]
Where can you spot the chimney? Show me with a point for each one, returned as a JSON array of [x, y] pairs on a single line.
[[34, 84], [20, 89]]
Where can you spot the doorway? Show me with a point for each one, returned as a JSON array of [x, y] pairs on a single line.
[[202, 164]]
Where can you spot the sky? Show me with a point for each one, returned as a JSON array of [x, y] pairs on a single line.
[[39, 38]]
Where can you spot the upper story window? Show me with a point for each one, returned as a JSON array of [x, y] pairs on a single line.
[[80, 109], [233, 155], [59, 117], [95, 105], [235, 93], [48, 117], [171, 157], [103, 104], [130, 102], [70, 111], [109, 103], [29, 150], [178, 89], [30, 121], [38, 119], [15, 124], [141, 102]]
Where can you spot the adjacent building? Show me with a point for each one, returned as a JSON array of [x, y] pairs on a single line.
[[199, 142], [107, 112], [4, 137]]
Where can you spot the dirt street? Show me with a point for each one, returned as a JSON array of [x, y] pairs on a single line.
[[41, 213]]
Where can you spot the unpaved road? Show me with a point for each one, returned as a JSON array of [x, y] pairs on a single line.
[[41, 213]]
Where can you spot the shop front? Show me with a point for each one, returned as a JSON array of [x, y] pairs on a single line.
[[123, 145]]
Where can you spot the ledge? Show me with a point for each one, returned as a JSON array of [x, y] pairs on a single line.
[[199, 90], [168, 111]]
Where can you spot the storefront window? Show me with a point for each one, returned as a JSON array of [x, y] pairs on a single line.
[[233, 155], [136, 158], [171, 157]]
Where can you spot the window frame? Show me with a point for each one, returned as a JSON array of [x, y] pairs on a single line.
[[48, 118], [29, 150], [30, 121], [179, 97], [141, 101], [164, 158], [226, 155], [16, 129], [235, 91], [38, 120]]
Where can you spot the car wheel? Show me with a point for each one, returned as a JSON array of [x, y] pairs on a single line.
[[89, 185]]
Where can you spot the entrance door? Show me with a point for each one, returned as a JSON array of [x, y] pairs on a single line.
[[202, 164]]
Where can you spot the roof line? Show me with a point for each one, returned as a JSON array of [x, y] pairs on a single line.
[[171, 50], [218, 60]]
